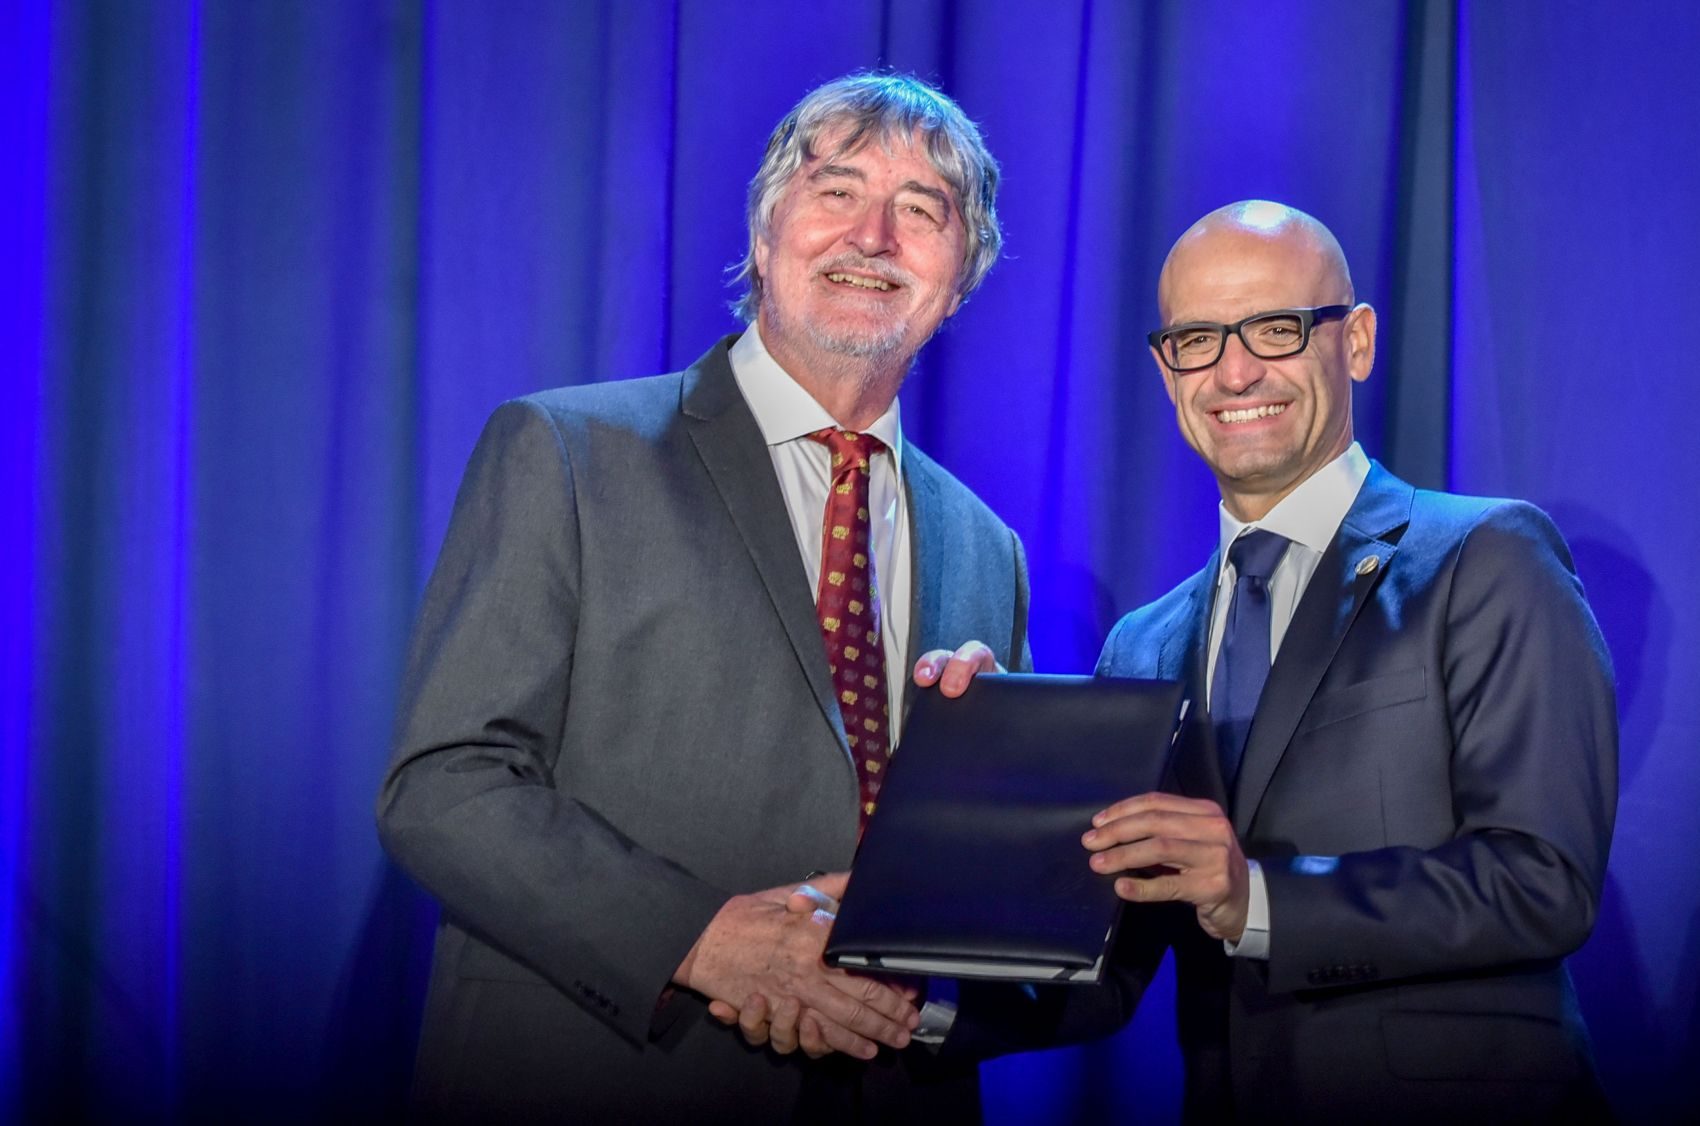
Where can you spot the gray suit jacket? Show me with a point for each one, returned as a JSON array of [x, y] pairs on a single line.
[[1429, 783], [617, 713]]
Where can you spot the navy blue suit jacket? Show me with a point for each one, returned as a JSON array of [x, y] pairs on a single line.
[[1429, 784]]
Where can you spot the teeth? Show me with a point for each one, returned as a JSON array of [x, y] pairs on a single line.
[[858, 280], [1250, 413]]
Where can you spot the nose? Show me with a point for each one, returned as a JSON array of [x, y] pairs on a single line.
[[872, 234], [1238, 369]]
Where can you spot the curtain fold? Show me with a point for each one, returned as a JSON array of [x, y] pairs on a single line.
[[267, 267]]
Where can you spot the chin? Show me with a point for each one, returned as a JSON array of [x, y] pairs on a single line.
[[1252, 467], [860, 343]]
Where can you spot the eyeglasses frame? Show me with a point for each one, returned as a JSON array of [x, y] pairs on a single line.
[[1307, 320]]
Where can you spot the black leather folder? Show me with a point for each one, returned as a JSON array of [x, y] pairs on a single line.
[[972, 864]]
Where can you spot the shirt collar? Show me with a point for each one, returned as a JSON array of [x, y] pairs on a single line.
[[784, 411], [1312, 513]]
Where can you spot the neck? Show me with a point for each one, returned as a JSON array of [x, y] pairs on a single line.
[[855, 390], [1249, 503], [855, 399], [1249, 508]]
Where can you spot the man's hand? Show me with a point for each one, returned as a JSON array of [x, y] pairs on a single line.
[[953, 672], [785, 1025], [1192, 846], [759, 963]]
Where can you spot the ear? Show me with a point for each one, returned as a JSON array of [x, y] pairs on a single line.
[[1163, 370], [955, 304], [1360, 342], [760, 255]]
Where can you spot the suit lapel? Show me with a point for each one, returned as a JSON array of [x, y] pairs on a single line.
[[1194, 769], [926, 572], [927, 629], [735, 454], [1342, 583]]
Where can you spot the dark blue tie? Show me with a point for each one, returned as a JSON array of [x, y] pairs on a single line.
[[1242, 660]]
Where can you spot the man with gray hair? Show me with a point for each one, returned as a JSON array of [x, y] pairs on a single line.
[[663, 658]]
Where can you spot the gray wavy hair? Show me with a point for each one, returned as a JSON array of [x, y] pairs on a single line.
[[879, 106]]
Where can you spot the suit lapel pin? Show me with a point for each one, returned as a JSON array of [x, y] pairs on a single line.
[[1368, 564]]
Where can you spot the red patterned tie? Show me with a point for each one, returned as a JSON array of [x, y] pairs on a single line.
[[849, 611]]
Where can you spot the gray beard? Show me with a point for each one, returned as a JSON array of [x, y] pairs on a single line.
[[862, 359], [878, 347], [862, 356]]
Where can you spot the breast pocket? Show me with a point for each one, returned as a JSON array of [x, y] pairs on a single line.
[[1385, 691]]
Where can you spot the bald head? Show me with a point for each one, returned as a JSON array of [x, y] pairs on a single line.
[[1260, 229]]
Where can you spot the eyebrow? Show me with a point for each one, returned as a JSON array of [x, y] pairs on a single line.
[[836, 171], [832, 171], [933, 193]]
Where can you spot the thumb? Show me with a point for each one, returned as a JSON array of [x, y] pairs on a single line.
[[826, 890]]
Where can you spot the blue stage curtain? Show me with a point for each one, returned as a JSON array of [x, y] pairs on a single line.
[[266, 266]]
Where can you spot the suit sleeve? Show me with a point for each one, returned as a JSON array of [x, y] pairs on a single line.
[[471, 805], [1020, 650], [1531, 705]]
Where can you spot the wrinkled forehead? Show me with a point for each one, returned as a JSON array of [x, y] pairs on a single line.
[[842, 139]]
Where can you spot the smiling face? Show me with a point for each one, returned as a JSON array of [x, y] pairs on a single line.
[[861, 260], [1264, 426]]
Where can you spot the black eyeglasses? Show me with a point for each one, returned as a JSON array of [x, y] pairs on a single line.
[[1268, 336]]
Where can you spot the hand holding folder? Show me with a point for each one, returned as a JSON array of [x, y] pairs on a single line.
[[973, 865]]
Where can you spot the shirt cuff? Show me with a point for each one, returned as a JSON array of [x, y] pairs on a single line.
[[1254, 943], [938, 1013]]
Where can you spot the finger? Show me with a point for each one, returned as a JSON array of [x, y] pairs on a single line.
[[826, 889], [891, 999], [1162, 852], [1156, 801], [1161, 888], [861, 1005], [834, 1037], [909, 987], [1202, 823], [752, 1019], [723, 1012], [782, 1030], [891, 1002], [1208, 890], [1124, 830], [810, 1036], [865, 1008], [930, 665], [969, 661]]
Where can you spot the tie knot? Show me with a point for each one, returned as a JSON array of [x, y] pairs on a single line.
[[1255, 554], [848, 446]]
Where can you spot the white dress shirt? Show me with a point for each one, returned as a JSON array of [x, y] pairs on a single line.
[[787, 415], [1309, 516]]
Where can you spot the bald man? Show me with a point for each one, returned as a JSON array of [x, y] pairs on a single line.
[[1389, 821]]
